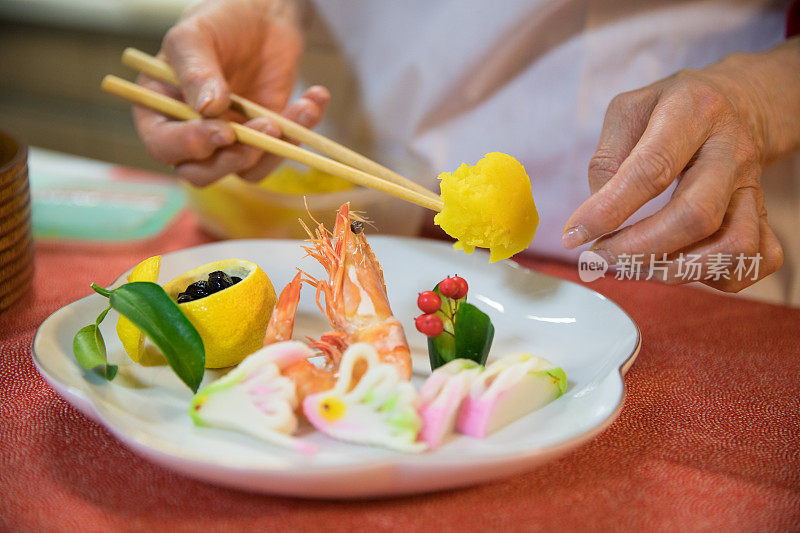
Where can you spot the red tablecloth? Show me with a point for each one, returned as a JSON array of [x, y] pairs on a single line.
[[709, 437]]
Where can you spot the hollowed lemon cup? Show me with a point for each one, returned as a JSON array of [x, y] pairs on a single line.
[[233, 321]]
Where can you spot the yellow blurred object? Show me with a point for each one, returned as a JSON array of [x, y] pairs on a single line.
[[292, 180], [233, 321], [132, 339], [233, 208], [489, 205]]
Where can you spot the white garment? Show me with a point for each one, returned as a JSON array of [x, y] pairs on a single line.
[[448, 81]]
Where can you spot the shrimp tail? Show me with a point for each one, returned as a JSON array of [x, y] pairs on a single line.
[[332, 344], [281, 323], [308, 379]]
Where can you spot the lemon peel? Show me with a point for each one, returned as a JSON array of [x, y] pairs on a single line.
[[233, 321], [132, 339], [489, 205]]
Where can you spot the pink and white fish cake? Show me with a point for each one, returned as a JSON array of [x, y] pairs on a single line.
[[508, 389], [380, 410], [441, 397], [255, 399]]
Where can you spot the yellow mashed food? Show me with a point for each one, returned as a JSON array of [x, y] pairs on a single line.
[[489, 205], [289, 179]]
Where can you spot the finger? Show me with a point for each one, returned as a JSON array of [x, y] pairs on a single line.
[[306, 111], [756, 266], [320, 95], [233, 159], [696, 211], [171, 141], [191, 52], [625, 122], [743, 251], [738, 235], [671, 138], [309, 108]]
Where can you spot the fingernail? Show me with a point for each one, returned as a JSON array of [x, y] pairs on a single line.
[[606, 255], [305, 118], [206, 96], [272, 129], [222, 137], [574, 237]]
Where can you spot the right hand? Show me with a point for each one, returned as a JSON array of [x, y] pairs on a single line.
[[249, 47]]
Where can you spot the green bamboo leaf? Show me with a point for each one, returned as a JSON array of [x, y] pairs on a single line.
[[158, 316]]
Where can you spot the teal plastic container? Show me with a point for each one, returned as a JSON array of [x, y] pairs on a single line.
[[101, 210]]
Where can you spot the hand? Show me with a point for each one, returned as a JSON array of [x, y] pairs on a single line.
[[250, 47], [713, 130]]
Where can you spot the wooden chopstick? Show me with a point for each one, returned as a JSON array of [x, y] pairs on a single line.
[[158, 69], [169, 106]]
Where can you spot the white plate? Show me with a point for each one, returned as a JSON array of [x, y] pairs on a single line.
[[146, 408]]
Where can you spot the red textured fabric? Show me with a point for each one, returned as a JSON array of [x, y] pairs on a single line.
[[709, 438]]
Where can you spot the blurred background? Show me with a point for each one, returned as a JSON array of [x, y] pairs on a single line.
[[53, 54]]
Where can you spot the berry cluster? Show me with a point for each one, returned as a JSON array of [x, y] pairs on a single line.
[[217, 281], [431, 324]]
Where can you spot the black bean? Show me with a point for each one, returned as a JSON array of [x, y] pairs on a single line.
[[217, 284], [235, 280], [183, 298], [198, 289]]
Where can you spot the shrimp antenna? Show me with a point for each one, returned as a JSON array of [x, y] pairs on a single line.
[[317, 222], [362, 217]]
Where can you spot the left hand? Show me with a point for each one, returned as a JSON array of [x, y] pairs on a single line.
[[712, 130]]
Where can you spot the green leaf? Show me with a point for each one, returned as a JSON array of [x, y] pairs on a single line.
[[111, 371], [89, 350], [441, 350], [159, 318], [472, 338], [474, 333]]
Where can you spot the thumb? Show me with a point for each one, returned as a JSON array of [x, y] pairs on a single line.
[[190, 51]]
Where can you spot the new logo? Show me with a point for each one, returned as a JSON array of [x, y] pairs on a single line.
[[591, 266]]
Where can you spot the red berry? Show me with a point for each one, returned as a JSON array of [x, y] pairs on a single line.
[[429, 302], [429, 325], [455, 287]]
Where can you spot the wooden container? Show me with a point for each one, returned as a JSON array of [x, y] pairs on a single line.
[[16, 234]]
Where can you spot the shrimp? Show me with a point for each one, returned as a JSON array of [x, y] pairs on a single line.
[[355, 304], [307, 377]]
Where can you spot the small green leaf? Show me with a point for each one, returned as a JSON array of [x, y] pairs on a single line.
[[441, 350], [111, 371], [158, 316], [90, 350]]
